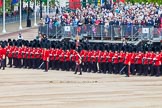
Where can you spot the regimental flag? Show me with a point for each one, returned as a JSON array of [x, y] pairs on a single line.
[[14, 2], [117, 1], [122, 1], [1, 3], [74, 4]]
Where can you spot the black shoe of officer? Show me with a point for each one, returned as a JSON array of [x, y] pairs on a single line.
[[80, 74]]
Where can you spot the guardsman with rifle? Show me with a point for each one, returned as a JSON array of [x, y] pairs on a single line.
[[52, 58], [19, 57], [46, 58], [62, 60], [33, 57], [156, 64], [8, 47], [67, 60], [38, 55], [89, 61], [57, 58], [121, 59], [104, 67], [138, 61], [145, 63], [29, 56], [110, 63], [115, 61], [94, 62], [98, 57], [132, 60], [10, 50], [2, 56], [151, 55], [25, 54], [83, 55], [127, 63], [161, 59], [15, 55]]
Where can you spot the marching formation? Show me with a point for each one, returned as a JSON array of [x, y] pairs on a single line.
[[67, 56]]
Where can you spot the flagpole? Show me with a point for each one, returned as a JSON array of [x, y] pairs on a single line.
[[47, 7], [20, 26], [4, 23], [101, 2], [35, 16]]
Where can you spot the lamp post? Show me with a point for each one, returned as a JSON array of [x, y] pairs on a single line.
[[4, 22], [40, 9], [28, 13], [47, 7], [20, 26], [35, 14]]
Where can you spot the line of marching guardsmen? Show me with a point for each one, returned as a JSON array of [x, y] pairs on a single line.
[[113, 62], [128, 62]]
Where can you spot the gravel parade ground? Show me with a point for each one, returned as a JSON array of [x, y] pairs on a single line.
[[29, 88]]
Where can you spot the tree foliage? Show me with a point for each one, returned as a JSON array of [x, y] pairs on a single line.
[[145, 1]]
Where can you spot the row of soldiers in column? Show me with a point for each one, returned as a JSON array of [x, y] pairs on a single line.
[[106, 61], [120, 62]]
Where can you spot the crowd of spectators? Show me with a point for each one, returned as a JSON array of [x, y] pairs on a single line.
[[145, 14]]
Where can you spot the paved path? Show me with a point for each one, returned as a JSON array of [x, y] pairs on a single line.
[[28, 88], [28, 33]]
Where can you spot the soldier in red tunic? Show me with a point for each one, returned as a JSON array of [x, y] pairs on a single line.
[[138, 61], [133, 54], [121, 59], [151, 55], [89, 61], [115, 61], [127, 63], [46, 58], [67, 60], [99, 54], [104, 67], [9, 50], [25, 55], [146, 63], [161, 59], [15, 54], [33, 57], [19, 57], [110, 64], [29, 56], [58, 51], [94, 63], [83, 55], [156, 64], [2, 56], [52, 57], [62, 60]]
